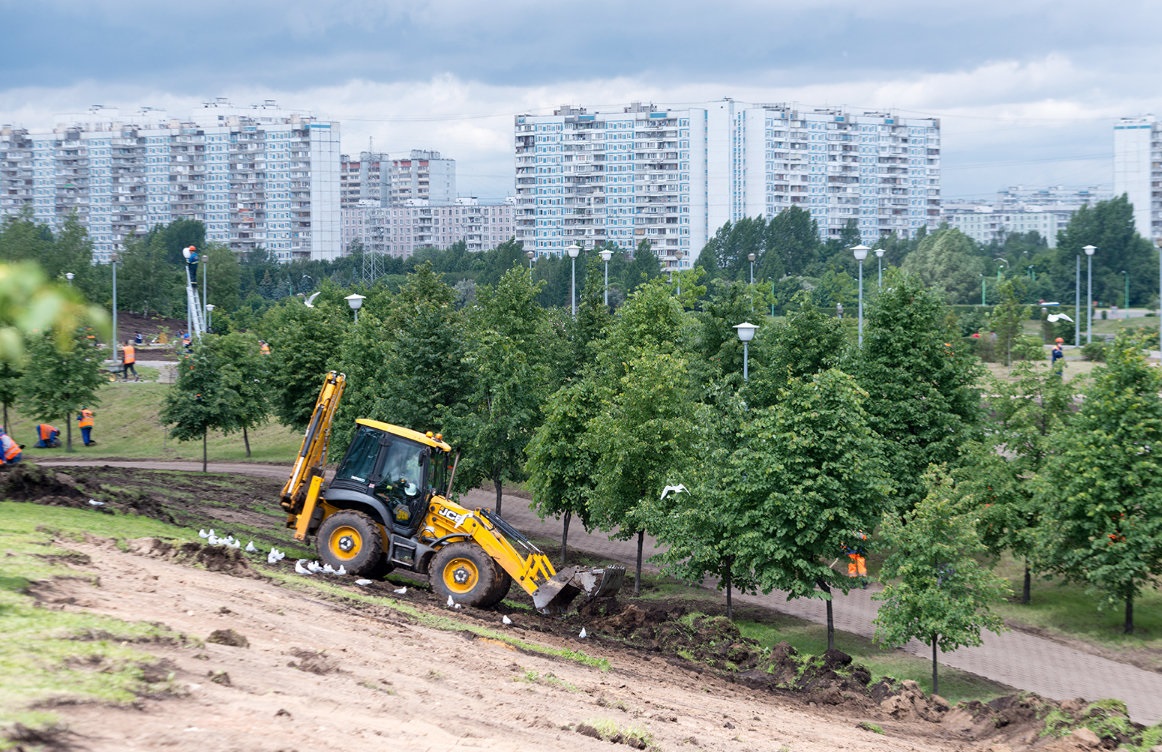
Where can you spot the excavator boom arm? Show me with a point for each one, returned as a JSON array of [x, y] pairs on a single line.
[[312, 456]]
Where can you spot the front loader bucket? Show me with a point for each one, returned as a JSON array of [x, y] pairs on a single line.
[[555, 595]]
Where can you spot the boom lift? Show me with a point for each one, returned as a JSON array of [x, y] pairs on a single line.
[[388, 507]]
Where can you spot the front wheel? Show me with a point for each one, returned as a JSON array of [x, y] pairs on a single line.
[[351, 539], [464, 573]]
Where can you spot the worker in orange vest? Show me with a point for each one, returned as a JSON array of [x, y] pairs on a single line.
[[85, 421], [10, 451], [128, 359], [263, 347], [856, 562], [47, 436]]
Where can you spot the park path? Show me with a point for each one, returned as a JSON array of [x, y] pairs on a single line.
[[1018, 659]]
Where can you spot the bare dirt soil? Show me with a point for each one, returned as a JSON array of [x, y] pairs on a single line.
[[262, 666]]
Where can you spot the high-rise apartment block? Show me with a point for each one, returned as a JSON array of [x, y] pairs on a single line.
[[402, 229], [254, 180], [1138, 171], [673, 177], [376, 179]]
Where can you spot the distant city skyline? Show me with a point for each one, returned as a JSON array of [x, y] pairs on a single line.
[[1027, 91]]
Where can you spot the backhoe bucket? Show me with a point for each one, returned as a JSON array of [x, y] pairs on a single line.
[[556, 594]]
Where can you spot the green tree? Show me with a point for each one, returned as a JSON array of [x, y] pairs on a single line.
[[508, 378], [922, 385], [807, 477], [805, 343], [59, 381], [203, 397], [1006, 320], [935, 589], [1109, 226], [244, 374], [999, 479], [1102, 490], [948, 261], [224, 281], [305, 345], [792, 242]]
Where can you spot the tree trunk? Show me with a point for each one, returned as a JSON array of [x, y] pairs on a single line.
[[565, 537], [935, 686], [637, 583], [830, 614], [205, 433], [6, 415], [499, 488], [246, 441], [1129, 625], [729, 599], [68, 434], [1026, 594]]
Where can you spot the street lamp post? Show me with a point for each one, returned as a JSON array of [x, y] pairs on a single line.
[[1089, 249], [573, 250], [69, 276], [113, 258], [1077, 304], [879, 252], [745, 335], [751, 257], [209, 310], [531, 256], [860, 252], [355, 300], [606, 255], [983, 289]]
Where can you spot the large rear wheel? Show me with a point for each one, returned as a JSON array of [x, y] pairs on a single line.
[[465, 573], [501, 583], [351, 539]]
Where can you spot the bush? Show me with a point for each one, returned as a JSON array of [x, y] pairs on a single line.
[[1094, 351], [1028, 347]]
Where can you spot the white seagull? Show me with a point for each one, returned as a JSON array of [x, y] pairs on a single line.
[[1055, 317], [203, 534], [300, 569], [676, 489], [505, 620], [583, 634], [363, 583], [275, 556], [310, 302], [403, 591], [250, 548]]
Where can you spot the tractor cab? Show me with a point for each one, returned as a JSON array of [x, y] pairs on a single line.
[[393, 470]]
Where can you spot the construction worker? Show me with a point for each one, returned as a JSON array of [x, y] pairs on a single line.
[[1058, 354], [263, 347], [85, 421], [47, 436], [10, 451], [128, 359], [856, 563]]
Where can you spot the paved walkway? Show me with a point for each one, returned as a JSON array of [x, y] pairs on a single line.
[[1018, 659]]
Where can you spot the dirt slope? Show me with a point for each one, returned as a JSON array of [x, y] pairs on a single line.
[[263, 666]]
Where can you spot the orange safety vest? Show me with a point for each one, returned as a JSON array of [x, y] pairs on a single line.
[[45, 431], [11, 448], [128, 355], [86, 419], [265, 349]]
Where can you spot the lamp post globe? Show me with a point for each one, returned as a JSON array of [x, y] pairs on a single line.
[[745, 332], [751, 257], [69, 276], [356, 302], [531, 255], [573, 250], [860, 253], [1089, 251], [606, 255], [879, 252]]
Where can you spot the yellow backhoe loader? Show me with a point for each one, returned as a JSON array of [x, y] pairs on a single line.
[[387, 506]]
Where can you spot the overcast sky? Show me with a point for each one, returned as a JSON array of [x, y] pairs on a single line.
[[1027, 91]]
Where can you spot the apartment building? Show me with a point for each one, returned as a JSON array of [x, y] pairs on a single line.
[[673, 177], [1138, 171], [1018, 210], [402, 229], [256, 179], [376, 179]]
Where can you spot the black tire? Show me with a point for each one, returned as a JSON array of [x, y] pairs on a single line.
[[352, 540], [465, 573], [501, 583]]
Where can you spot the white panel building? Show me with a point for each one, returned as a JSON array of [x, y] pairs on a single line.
[[402, 229], [1138, 171], [256, 180], [673, 177]]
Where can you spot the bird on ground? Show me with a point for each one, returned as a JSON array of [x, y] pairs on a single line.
[[675, 489], [363, 583], [505, 620], [403, 590], [214, 540], [250, 548], [203, 534], [583, 634], [95, 503], [1053, 318], [328, 569], [300, 569], [452, 603], [341, 571], [275, 556], [310, 302], [314, 566]]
